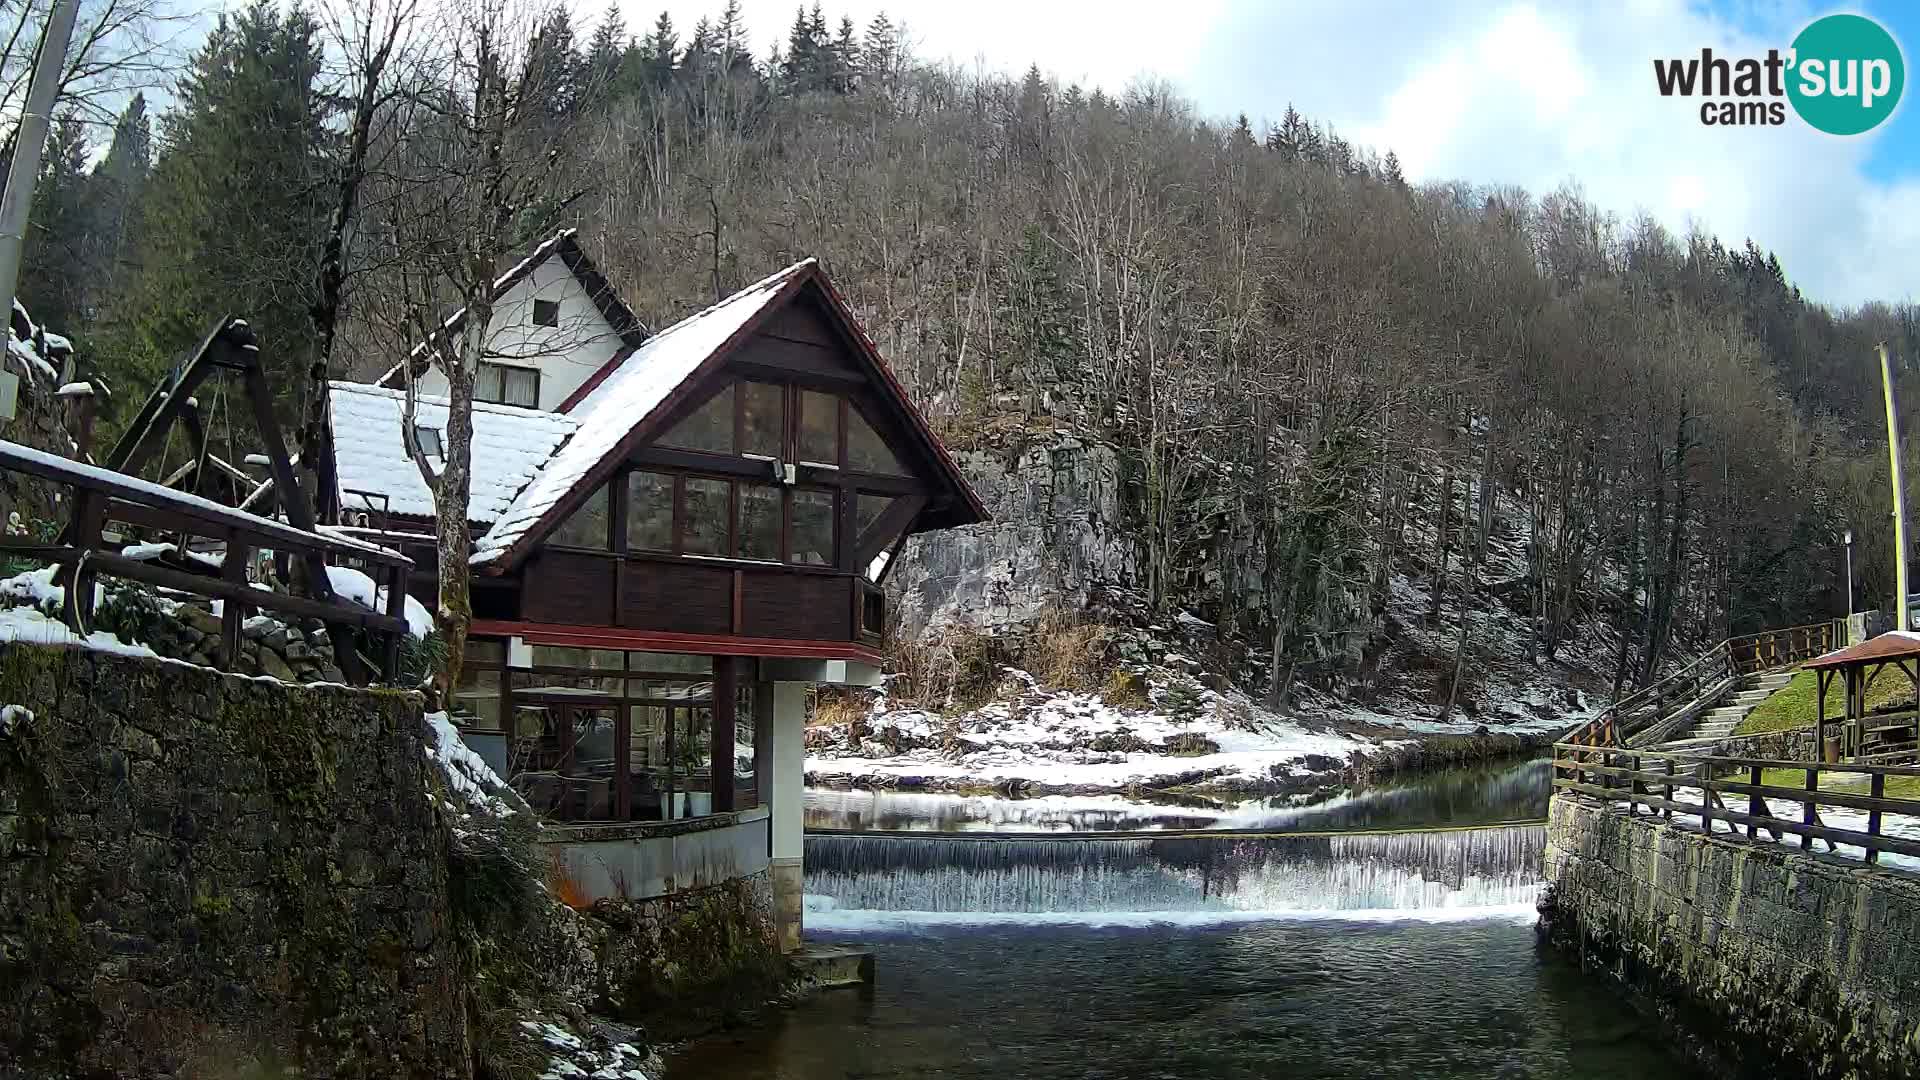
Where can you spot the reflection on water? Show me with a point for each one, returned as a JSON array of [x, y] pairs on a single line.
[[1507, 791], [1305, 1000]]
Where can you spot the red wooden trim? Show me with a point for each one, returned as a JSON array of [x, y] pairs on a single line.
[[613, 637]]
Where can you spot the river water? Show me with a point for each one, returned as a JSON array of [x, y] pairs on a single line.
[[1366, 954]]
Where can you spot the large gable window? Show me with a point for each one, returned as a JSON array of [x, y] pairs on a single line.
[[812, 528], [586, 527], [710, 428], [760, 522], [706, 511], [763, 419], [819, 427], [649, 511], [503, 384], [866, 450]]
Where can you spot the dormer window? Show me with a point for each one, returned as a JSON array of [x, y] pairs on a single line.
[[546, 313]]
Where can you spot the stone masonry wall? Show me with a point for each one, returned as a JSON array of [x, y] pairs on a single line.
[[1783, 963], [208, 875]]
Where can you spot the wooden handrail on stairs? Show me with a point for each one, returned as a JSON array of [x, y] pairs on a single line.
[[1716, 667]]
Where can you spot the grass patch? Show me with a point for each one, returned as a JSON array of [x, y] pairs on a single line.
[[1792, 706], [1897, 787]]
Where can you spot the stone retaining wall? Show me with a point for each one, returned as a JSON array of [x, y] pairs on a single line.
[[1793, 744], [204, 873], [1783, 963]]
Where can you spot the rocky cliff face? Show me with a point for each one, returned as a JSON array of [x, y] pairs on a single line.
[[1058, 539]]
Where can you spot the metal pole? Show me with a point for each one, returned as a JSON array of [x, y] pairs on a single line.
[[1849, 574], [30, 138], [1899, 495]]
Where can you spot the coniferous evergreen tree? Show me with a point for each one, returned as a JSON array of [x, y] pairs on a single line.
[[605, 52], [55, 257], [234, 213], [659, 50]]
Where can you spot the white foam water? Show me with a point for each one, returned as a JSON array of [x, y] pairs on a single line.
[[1431, 875]]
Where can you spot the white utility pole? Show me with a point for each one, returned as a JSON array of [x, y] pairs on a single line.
[[17, 203], [1899, 494]]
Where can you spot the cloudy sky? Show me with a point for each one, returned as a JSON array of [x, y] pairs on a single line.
[[1533, 92]]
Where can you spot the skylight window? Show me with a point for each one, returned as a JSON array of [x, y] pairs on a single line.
[[428, 439]]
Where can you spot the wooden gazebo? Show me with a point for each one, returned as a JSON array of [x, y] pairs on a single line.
[[1881, 737]]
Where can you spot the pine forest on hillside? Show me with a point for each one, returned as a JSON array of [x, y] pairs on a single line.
[[1319, 375]]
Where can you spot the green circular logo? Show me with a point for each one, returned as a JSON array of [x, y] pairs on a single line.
[[1847, 74]]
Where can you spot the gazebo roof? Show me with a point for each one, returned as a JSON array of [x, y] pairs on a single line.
[[1887, 648]]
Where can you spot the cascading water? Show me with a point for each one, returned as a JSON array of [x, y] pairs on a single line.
[[1409, 871]]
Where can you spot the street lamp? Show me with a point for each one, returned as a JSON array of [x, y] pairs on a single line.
[[1847, 538]]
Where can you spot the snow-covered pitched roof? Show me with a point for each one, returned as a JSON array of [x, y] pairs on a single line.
[[627, 395], [509, 446]]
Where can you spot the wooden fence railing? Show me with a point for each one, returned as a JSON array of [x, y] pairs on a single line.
[[101, 495], [1706, 677], [1740, 792]]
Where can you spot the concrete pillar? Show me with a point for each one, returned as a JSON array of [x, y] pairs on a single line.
[[789, 731]]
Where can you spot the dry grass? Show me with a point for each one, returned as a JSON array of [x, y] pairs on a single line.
[[958, 671], [832, 706], [1066, 652]]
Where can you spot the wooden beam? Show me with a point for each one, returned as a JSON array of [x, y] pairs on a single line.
[[168, 578], [720, 771], [892, 521]]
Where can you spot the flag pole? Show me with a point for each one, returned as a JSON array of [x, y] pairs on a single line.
[[1899, 494]]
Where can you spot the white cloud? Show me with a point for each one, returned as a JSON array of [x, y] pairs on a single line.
[[1530, 93]]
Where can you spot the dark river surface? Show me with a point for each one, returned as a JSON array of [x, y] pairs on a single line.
[[1371, 955]]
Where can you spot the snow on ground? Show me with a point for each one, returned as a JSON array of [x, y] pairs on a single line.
[[941, 812], [467, 774], [598, 1059], [1068, 739], [34, 627]]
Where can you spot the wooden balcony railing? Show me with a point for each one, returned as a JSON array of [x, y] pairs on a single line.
[[1695, 686], [1744, 792], [98, 496]]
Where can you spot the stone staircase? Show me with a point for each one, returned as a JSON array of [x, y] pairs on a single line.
[[1719, 721]]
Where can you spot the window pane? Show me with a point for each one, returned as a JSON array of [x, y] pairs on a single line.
[[570, 657], [759, 522], [546, 313], [868, 511], [668, 662], [813, 528], [521, 386], [710, 428], [866, 452], [649, 511], [692, 757], [486, 383], [819, 428], [649, 733], [706, 516], [765, 406], [587, 527], [479, 697]]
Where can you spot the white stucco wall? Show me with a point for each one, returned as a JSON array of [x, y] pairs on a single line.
[[567, 354]]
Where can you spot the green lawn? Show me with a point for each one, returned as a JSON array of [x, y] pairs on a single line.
[[1793, 705], [1898, 787]]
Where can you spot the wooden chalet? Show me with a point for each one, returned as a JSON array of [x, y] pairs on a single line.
[[705, 516]]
